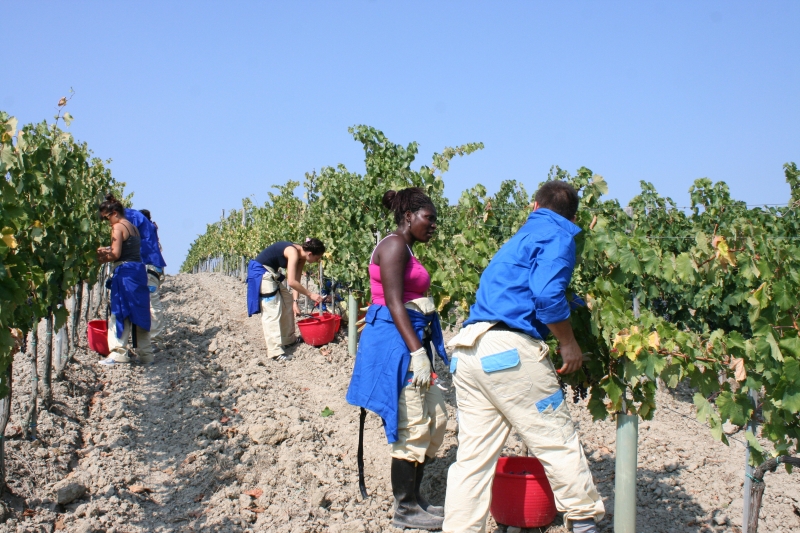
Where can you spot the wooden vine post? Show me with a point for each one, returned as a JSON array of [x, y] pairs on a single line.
[[29, 425], [47, 364], [5, 416], [757, 487], [749, 471], [87, 312], [77, 297]]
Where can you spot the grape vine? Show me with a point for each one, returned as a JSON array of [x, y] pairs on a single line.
[[714, 285], [50, 228]]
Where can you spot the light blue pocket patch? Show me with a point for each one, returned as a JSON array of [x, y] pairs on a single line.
[[554, 400], [500, 361], [453, 365], [266, 299]]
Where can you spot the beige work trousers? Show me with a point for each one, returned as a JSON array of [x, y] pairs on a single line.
[[156, 307], [118, 347], [490, 403], [421, 423], [277, 317]]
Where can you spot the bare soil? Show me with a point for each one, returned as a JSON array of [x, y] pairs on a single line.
[[217, 437]]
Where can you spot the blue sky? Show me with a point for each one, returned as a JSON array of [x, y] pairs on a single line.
[[200, 104]]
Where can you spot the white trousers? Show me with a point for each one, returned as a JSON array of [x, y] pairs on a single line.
[[119, 346], [156, 307], [277, 318], [494, 395]]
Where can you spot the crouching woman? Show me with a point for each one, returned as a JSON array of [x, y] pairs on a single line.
[[392, 373], [130, 298]]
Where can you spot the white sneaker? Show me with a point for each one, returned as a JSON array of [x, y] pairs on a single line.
[[108, 361]]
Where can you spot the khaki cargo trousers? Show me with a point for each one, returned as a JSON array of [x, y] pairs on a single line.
[[421, 423], [277, 316], [421, 412], [505, 380]]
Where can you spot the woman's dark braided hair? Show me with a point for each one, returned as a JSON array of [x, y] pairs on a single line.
[[411, 199]]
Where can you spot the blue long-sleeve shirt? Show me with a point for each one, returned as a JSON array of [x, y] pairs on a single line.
[[525, 284], [151, 254]]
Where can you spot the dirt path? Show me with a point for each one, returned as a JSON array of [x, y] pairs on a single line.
[[216, 437]]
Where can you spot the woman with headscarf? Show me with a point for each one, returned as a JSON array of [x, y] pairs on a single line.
[[393, 369]]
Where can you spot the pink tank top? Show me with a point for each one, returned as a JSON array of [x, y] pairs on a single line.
[[416, 280]]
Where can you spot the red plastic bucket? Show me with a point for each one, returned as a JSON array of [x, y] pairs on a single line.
[[521, 494], [319, 330], [337, 318], [97, 333]]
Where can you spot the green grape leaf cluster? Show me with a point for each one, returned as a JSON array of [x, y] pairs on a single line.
[[50, 227], [706, 294]]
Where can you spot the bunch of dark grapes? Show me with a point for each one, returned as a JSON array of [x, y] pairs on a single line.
[[580, 391]]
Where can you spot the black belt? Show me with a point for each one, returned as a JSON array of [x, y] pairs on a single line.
[[502, 326], [120, 263], [154, 273], [273, 293]]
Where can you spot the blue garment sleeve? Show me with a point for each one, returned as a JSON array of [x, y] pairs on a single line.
[[437, 337], [549, 280]]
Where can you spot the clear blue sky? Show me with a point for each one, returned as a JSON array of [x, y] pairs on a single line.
[[200, 104]]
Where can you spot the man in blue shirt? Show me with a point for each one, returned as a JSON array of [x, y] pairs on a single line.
[[504, 378]]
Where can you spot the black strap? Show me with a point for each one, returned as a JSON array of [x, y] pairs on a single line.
[[133, 335], [361, 484]]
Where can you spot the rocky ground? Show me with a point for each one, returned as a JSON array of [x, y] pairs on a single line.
[[216, 437]]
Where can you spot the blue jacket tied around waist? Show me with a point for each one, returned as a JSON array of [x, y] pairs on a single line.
[[130, 298], [255, 271], [382, 362], [255, 274]]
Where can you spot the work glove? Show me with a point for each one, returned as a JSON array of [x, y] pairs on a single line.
[[421, 367]]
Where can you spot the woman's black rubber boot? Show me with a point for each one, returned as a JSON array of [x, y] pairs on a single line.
[[436, 510], [408, 513]]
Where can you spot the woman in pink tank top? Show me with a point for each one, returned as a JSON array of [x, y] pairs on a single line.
[[391, 352]]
